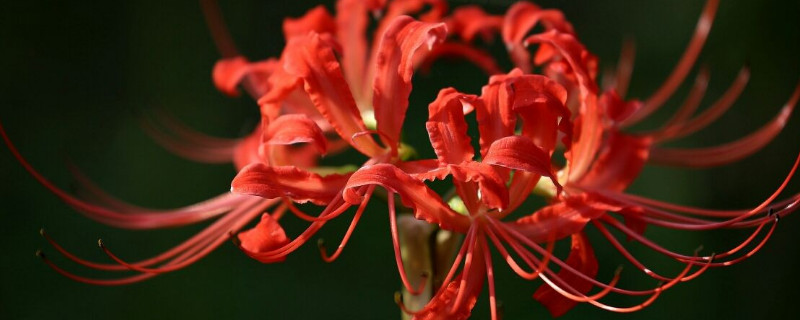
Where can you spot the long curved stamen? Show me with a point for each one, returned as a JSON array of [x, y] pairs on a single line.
[[571, 293], [687, 109], [538, 268], [212, 231], [196, 252], [652, 204], [622, 77], [219, 30], [684, 127], [636, 262], [335, 205], [465, 272], [397, 254], [187, 143], [307, 217], [139, 220], [465, 246], [647, 242], [731, 151], [349, 231], [572, 270], [681, 69], [98, 282], [487, 258]]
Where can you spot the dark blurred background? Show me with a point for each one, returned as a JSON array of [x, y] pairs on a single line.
[[75, 73]]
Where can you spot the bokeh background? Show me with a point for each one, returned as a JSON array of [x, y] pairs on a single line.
[[75, 73]]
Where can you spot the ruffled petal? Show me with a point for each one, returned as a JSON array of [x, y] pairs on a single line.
[[317, 20], [561, 219], [400, 45], [285, 181], [520, 19], [231, 72], [295, 128], [427, 205], [352, 17], [266, 236], [469, 21], [520, 153], [447, 127], [541, 103], [496, 118], [588, 123], [619, 163], [581, 258], [312, 59]]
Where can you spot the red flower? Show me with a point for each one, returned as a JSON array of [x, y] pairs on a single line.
[[601, 162], [336, 101]]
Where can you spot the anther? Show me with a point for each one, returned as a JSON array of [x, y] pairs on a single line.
[[39, 253], [41, 232], [234, 238], [321, 243], [100, 243], [618, 271]]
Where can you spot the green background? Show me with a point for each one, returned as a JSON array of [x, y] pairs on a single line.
[[73, 73]]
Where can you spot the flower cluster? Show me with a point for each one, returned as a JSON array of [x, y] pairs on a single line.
[[546, 130]]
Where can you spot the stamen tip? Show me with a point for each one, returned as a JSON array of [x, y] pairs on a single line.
[[398, 297], [41, 232], [100, 243], [321, 243], [618, 271], [39, 253]]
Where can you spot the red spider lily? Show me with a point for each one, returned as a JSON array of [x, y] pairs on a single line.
[[601, 162], [336, 95]]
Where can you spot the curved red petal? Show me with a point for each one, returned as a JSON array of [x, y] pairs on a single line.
[[619, 163], [427, 205], [540, 102], [352, 17], [295, 128], [469, 21], [229, 73], [520, 19], [267, 235], [496, 118], [589, 120], [560, 219], [399, 47], [317, 20], [298, 185], [312, 59], [447, 127], [520, 153], [581, 257]]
